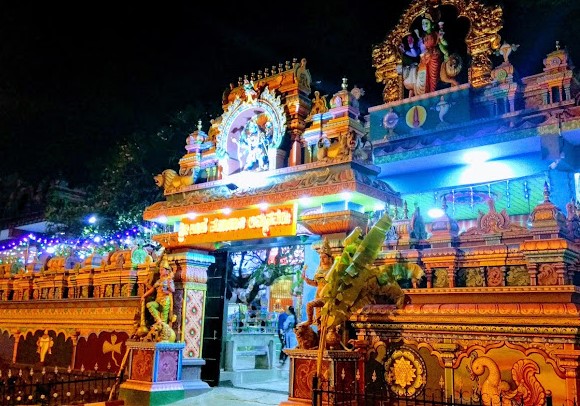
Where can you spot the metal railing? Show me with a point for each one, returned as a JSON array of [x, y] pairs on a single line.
[[327, 393], [27, 386]]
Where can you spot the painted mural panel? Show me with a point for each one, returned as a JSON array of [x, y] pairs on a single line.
[[45, 348], [106, 350], [6, 348]]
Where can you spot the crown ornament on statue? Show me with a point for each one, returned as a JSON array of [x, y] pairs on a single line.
[[326, 247]]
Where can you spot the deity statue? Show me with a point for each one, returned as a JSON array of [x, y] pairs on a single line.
[[161, 309], [318, 104], [302, 75], [254, 141], [44, 345], [428, 61], [319, 281], [250, 91]]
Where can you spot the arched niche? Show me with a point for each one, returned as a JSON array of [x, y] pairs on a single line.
[[482, 24]]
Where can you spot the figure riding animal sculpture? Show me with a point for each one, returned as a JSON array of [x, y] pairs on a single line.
[[170, 180], [307, 338], [450, 69]]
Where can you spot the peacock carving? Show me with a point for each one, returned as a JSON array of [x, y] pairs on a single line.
[[528, 391]]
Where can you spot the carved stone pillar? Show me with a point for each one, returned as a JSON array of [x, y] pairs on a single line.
[[451, 276], [568, 360], [190, 269], [447, 356], [429, 276], [75, 340], [533, 272], [561, 272], [295, 157], [16, 335]]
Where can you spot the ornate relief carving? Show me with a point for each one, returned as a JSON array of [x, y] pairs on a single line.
[[405, 372], [493, 222], [518, 276], [441, 279], [547, 275], [495, 276]]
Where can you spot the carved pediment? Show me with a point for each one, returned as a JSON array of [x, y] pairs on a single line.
[[493, 222]]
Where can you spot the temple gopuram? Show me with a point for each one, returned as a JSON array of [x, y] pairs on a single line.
[[457, 197]]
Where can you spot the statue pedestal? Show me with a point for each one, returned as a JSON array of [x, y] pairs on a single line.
[[339, 366], [153, 374], [191, 377]]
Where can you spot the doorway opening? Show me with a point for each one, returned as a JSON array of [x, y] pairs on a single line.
[[261, 284]]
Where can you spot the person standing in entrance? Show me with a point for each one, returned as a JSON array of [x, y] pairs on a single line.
[[281, 319], [289, 335]]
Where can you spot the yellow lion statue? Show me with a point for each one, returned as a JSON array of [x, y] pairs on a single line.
[[169, 180]]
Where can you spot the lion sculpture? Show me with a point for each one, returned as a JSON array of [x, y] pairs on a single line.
[[169, 180], [307, 338], [161, 332], [450, 68]]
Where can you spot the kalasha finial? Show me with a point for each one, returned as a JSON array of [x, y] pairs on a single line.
[[546, 192], [199, 125], [344, 83], [557, 45]]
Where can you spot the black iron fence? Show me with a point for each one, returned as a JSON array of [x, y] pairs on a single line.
[[327, 393], [27, 386]]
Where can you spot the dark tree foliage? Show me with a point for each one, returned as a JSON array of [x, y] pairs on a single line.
[[125, 186]]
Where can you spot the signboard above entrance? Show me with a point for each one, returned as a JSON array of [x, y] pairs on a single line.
[[247, 224]]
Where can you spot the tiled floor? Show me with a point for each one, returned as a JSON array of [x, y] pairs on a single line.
[[247, 386]]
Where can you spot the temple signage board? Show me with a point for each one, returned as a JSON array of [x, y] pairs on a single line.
[[246, 224]]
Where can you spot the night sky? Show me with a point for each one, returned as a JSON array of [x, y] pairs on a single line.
[[77, 77]]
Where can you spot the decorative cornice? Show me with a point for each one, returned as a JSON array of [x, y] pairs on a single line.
[[71, 316], [316, 179]]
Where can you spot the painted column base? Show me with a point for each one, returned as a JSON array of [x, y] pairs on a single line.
[[136, 393], [154, 374], [191, 377]]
